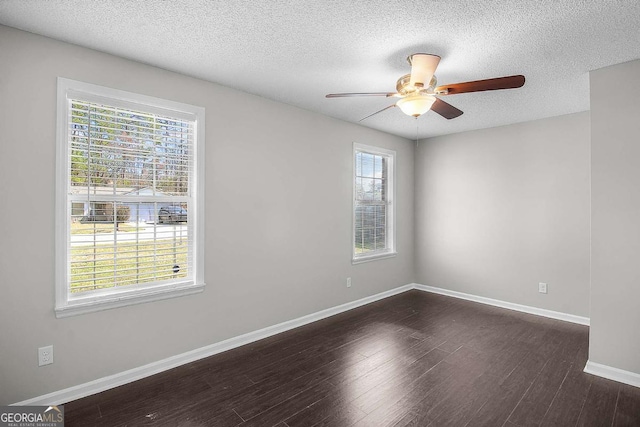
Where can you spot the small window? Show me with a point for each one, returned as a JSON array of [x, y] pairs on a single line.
[[129, 198], [373, 209]]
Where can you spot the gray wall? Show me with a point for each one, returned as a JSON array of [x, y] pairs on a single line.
[[278, 221], [615, 219], [500, 210]]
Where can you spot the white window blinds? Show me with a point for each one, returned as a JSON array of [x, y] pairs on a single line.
[[130, 172]]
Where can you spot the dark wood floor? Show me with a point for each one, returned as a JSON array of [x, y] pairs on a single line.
[[416, 359]]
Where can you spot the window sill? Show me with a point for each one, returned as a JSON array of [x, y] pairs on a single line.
[[376, 257], [80, 306]]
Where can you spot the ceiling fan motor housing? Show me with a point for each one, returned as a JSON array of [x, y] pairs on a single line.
[[404, 87]]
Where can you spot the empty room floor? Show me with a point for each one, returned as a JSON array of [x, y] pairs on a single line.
[[415, 359]]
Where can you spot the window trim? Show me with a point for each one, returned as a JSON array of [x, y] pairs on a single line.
[[65, 305], [390, 195]]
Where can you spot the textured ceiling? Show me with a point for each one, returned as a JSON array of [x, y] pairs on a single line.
[[298, 51]]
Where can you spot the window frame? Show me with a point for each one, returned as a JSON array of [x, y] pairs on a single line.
[[67, 304], [390, 226]]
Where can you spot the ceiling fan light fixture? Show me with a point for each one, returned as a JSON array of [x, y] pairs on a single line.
[[416, 105]]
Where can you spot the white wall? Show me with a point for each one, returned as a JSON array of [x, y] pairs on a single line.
[[278, 221], [500, 210], [615, 255]]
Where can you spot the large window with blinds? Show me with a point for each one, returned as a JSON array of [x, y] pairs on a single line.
[[373, 209], [129, 198]]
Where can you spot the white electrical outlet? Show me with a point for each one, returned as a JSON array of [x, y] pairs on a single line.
[[542, 288], [45, 355], [348, 282]]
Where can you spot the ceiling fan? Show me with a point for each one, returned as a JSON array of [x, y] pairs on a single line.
[[418, 92]]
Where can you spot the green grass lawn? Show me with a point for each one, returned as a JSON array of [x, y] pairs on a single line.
[[102, 266], [99, 227]]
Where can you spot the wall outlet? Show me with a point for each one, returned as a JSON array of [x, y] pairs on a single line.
[[348, 282], [542, 288], [45, 355]]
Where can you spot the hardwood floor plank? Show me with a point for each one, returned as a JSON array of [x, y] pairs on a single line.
[[537, 400], [341, 419], [627, 407], [277, 356], [254, 392], [510, 391], [576, 384], [289, 368], [510, 357], [567, 404], [345, 353], [470, 360], [394, 410], [462, 403], [334, 407], [599, 407], [152, 397], [378, 343], [403, 356], [409, 420], [199, 414], [414, 359], [290, 407], [397, 386], [250, 408], [81, 415], [564, 411]]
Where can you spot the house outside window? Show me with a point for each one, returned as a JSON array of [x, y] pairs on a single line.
[[373, 207], [130, 198]]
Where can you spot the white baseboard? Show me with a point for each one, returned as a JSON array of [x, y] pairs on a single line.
[[121, 378], [611, 373], [511, 306]]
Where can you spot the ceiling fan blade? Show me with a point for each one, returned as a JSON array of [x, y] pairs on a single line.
[[423, 66], [509, 82], [445, 109], [380, 111], [345, 95]]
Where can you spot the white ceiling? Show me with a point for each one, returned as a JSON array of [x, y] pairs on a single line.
[[296, 51]]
